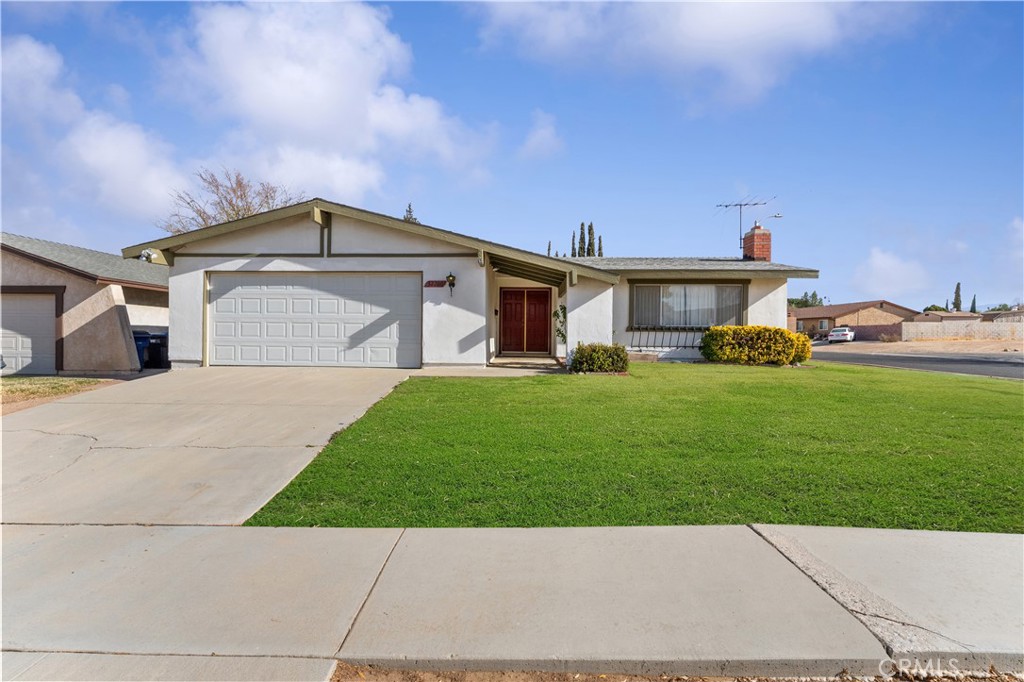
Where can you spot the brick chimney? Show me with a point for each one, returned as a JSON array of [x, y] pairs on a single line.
[[757, 244]]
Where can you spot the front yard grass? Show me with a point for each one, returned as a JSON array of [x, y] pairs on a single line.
[[15, 389], [676, 444]]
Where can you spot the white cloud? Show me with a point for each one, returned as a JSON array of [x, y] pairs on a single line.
[[886, 275], [737, 50], [543, 140], [116, 163], [316, 81]]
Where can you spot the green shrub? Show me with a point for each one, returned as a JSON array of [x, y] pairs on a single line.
[[599, 357], [754, 345]]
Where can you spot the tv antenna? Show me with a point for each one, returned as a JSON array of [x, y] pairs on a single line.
[[741, 205]]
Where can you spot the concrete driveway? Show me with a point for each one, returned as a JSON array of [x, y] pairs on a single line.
[[195, 447]]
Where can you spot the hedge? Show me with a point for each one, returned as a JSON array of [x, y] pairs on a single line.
[[754, 345], [599, 357]]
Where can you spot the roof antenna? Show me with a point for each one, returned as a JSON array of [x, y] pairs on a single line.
[[740, 205]]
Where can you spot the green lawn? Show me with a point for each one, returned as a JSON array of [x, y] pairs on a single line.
[[676, 444]]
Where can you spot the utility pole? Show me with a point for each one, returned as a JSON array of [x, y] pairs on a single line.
[[741, 205]]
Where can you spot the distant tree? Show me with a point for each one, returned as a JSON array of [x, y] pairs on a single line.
[[556, 253], [409, 216], [582, 249], [947, 306], [807, 300], [591, 242], [600, 247], [934, 307], [956, 298], [574, 243], [974, 303], [222, 198], [549, 247], [1001, 307]]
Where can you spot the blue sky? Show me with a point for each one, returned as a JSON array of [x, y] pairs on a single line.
[[891, 135]]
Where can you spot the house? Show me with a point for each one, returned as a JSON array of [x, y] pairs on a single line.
[[321, 283], [1002, 316], [946, 316], [870, 319], [69, 310]]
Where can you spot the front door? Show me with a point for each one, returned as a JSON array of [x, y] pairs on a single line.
[[525, 321]]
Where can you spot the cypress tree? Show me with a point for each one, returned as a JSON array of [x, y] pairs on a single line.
[[582, 250], [591, 246], [600, 247], [947, 306], [974, 303], [574, 243], [956, 298], [549, 247]]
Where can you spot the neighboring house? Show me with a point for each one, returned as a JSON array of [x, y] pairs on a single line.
[[320, 283], [944, 316], [1002, 316], [69, 310], [868, 318]]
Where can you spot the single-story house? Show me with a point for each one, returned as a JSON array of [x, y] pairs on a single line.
[[321, 283], [868, 318], [69, 310], [946, 316], [1002, 316]]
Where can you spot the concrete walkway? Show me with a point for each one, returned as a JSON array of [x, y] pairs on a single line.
[[92, 590]]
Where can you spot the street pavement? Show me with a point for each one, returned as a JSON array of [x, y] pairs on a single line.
[[122, 560], [1003, 367]]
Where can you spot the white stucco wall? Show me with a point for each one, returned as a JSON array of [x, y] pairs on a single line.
[[589, 305], [454, 323], [766, 302], [349, 235], [298, 234]]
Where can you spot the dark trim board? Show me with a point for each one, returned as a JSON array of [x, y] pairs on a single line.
[[58, 312]]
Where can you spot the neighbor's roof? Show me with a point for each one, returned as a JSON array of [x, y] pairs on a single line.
[[737, 265], [840, 309], [98, 266], [950, 313]]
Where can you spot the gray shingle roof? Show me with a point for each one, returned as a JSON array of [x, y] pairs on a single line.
[[97, 264], [723, 263]]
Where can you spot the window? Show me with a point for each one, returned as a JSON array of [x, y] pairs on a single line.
[[822, 325], [686, 305], [799, 325]]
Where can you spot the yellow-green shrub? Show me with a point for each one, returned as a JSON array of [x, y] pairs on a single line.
[[754, 345], [803, 349]]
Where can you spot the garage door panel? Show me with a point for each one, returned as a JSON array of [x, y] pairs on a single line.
[[28, 333], [320, 319]]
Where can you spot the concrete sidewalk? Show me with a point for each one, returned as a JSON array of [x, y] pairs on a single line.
[[269, 603]]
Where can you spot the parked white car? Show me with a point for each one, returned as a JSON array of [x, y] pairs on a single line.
[[840, 334]]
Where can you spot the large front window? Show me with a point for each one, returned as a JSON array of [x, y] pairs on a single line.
[[673, 306]]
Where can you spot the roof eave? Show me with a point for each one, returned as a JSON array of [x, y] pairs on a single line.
[[167, 245]]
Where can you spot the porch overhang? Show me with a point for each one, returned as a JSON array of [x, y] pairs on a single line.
[[540, 270]]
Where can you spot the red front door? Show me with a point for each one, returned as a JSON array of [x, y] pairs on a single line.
[[525, 321]]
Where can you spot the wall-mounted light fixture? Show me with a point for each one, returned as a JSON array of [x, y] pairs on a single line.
[[451, 283]]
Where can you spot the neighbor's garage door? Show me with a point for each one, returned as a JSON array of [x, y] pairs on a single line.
[[28, 334], [344, 319]]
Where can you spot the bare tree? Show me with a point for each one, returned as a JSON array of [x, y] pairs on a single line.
[[222, 198]]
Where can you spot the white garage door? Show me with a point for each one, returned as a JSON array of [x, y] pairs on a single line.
[[28, 334], [343, 319]]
